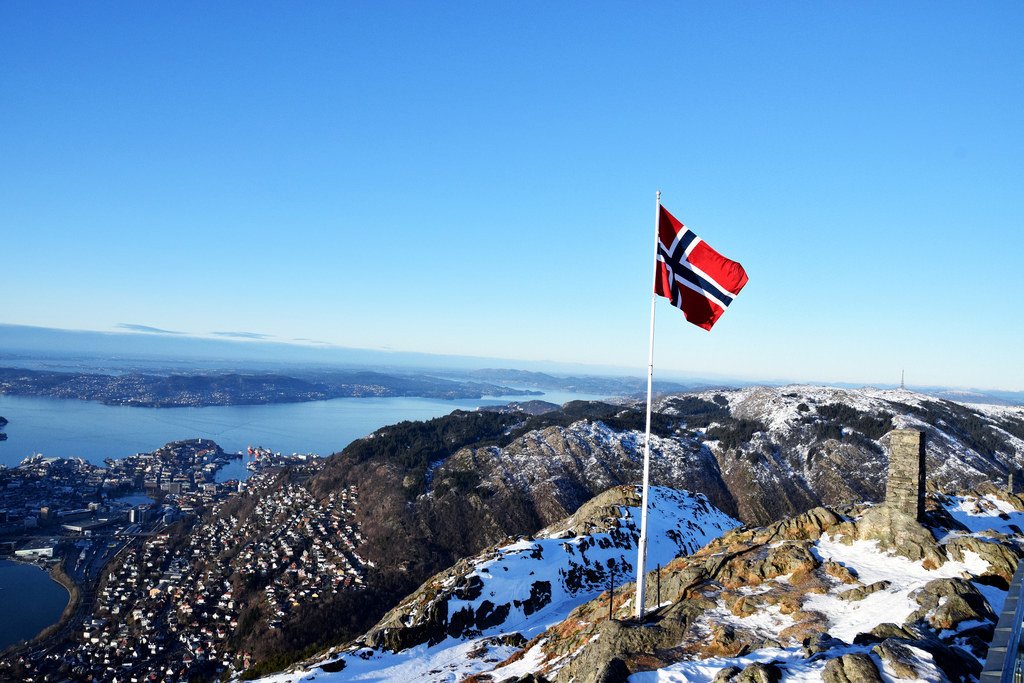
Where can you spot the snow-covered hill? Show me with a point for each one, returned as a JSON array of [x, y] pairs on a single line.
[[468, 619]]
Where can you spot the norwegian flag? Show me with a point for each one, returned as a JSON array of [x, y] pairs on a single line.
[[692, 275]]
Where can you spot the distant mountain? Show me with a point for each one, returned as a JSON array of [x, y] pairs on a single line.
[[206, 389], [972, 397], [586, 384]]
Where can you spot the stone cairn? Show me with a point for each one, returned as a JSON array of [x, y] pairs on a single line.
[[905, 485]]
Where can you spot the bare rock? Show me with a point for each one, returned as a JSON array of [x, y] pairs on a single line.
[[727, 674], [853, 668], [861, 592], [898, 657], [947, 602], [1002, 559], [759, 672], [614, 671]]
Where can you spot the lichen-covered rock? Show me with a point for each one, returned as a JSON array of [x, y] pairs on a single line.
[[861, 592], [839, 572], [808, 624], [945, 603], [852, 668], [764, 562], [759, 672], [727, 674], [818, 643], [1002, 558]]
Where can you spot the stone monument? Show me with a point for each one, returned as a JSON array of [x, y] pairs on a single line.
[[905, 485]]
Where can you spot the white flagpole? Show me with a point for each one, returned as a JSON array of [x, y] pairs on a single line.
[[641, 560]]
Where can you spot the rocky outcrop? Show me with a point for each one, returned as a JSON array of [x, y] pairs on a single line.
[[861, 592], [896, 531], [723, 595], [946, 603], [851, 668], [898, 657], [1002, 557]]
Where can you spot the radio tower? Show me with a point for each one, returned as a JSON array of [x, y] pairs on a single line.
[[902, 385]]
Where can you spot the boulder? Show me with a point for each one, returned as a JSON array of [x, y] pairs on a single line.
[[853, 668], [1002, 559], [881, 632], [897, 657], [840, 572], [861, 592], [759, 672], [820, 642], [947, 602]]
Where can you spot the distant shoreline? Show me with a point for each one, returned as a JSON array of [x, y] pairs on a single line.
[[240, 389]]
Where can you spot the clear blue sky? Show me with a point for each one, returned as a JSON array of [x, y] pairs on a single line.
[[478, 178]]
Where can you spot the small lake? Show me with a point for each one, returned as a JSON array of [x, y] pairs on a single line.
[[29, 601], [93, 431]]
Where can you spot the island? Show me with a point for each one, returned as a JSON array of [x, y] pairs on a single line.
[[155, 390]]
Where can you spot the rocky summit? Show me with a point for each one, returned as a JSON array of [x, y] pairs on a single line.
[[863, 594]]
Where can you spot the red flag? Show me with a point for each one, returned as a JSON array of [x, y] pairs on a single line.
[[692, 275]]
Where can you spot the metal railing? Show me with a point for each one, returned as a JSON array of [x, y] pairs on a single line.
[[1005, 662]]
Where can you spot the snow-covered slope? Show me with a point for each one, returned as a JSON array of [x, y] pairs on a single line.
[[468, 619], [807, 598]]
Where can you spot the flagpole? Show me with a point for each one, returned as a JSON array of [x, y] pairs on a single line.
[[641, 560]]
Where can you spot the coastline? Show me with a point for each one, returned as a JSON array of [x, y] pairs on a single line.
[[56, 574]]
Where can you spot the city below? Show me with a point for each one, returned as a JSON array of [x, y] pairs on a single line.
[[150, 575]]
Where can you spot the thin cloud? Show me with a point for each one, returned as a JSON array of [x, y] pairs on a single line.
[[243, 335], [306, 340], [145, 328]]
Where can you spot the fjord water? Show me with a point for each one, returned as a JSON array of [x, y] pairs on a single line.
[[29, 601], [93, 431]]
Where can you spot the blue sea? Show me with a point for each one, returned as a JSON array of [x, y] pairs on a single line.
[[93, 431]]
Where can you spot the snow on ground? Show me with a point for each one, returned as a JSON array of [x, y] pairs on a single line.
[[679, 523], [795, 668], [982, 513], [848, 618]]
